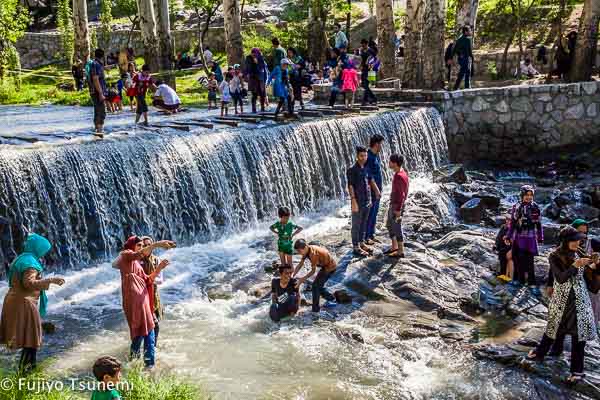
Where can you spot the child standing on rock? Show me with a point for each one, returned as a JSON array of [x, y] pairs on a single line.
[[349, 83], [503, 248], [225, 95], [285, 230], [525, 232]]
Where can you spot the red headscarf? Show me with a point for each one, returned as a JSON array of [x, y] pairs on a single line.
[[131, 242]]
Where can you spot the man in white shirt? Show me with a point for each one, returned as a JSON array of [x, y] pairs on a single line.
[[166, 98], [341, 41], [208, 55], [527, 69]]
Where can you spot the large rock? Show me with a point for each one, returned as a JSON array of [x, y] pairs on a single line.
[[450, 173], [574, 211], [471, 211], [551, 232], [488, 199]]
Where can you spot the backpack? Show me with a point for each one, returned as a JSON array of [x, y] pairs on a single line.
[[88, 71]]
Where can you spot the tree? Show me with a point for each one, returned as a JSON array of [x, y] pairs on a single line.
[[233, 36], [14, 19], [466, 14], [385, 37], [80, 24], [587, 41], [317, 37], [64, 21], [127, 8], [205, 10], [149, 38], [105, 23], [165, 41], [413, 54], [433, 45]]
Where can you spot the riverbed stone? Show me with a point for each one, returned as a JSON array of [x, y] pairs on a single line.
[[502, 107], [521, 104], [575, 112], [479, 104]]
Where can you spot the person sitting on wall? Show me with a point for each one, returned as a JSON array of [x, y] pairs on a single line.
[[527, 68]]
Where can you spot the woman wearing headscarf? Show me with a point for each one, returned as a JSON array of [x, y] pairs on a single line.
[[150, 264], [138, 299], [21, 321], [570, 310], [525, 232], [257, 75]]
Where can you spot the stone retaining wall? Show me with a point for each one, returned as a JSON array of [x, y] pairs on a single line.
[[37, 49], [514, 122]]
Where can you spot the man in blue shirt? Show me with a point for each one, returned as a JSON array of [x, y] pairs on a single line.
[[373, 168], [360, 185], [98, 90]]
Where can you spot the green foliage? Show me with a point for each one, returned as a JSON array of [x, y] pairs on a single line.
[[492, 70], [14, 20], [93, 39], [124, 8], [64, 22], [160, 387], [253, 39], [15, 386], [106, 19]]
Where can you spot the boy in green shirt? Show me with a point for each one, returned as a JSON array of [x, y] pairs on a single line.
[[108, 372], [286, 231]]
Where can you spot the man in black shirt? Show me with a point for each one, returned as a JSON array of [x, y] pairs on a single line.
[[448, 61], [360, 184], [463, 49], [284, 294], [365, 53]]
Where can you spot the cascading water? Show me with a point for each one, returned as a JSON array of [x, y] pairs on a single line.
[[87, 198]]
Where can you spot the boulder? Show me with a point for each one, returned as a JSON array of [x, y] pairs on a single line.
[[450, 173], [551, 233], [563, 199], [221, 292], [551, 211], [488, 199], [471, 211], [574, 211], [342, 296]]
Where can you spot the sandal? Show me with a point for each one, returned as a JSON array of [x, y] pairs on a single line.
[[395, 254], [360, 252], [575, 378], [390, 250]]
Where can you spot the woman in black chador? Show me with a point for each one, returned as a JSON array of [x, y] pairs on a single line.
[[570, 309]]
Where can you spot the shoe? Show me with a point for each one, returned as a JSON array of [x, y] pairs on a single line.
[[535, 290], [329, 304], [504, 278], [375, 240]]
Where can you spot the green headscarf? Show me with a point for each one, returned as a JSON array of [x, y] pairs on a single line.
[[36, 247], [579, 222]]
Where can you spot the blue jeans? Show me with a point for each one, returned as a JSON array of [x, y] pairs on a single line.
[[372, 220], [282, 310], [149, 352], [359, 225], [318, 289], [464, 72]]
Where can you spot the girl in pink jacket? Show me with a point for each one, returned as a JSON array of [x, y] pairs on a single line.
[[349, 83]]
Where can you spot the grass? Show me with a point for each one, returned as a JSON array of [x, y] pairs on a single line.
[[43, 86], [138, 386]]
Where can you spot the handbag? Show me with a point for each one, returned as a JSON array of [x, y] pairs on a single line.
[[372, 76]]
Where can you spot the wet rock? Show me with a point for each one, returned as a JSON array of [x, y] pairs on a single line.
[[574, 211], [342, 296], [563, 199], [48, 328], [544, 195], [551, 232], [221, 292], [260, 290], [348, 333], [470, 212], [551, 211], [489, 199], [450, 173]]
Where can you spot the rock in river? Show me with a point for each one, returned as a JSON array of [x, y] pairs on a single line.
[[450, 173], [470, 212]]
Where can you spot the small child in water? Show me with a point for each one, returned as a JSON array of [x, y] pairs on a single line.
[[108, 372], [503, 248], [285, 230]]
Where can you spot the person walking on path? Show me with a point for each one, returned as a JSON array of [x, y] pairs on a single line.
[[341, 40], [463, 50], [373, 167], [349, 83], [296, 75], [281, 86], [285, 295], [256, 74], [279, 53], [397, 202], [525, 233], [98, 90], [448, 61], [360, 185], [570, 310], [319, 257], [138, 301], [365, 54], [21, 319]]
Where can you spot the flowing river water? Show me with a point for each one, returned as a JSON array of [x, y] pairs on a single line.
[[217, 193]]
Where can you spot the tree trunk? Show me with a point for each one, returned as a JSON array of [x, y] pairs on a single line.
[[233, 36], [317, 38], [466, 14], [149, 37], [587, 40], [80, 27], [413, 54], [134, 23], [349, 22], [385, 38], [433, 45], [163, 30], [504, 66]]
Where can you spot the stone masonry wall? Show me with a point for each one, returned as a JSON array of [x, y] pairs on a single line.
[[512, 122], [37, 49]]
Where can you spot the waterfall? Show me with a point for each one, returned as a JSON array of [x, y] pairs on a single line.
[[87, 198]]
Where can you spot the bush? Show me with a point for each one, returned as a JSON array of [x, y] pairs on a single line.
[[159, 387], [14, 387]]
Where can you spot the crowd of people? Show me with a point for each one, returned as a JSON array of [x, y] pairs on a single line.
[[573, 279]]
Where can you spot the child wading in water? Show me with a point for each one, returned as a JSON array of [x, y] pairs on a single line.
[[108, 372], [213, 87], [225, 95], [349, 83], [286, 230]]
